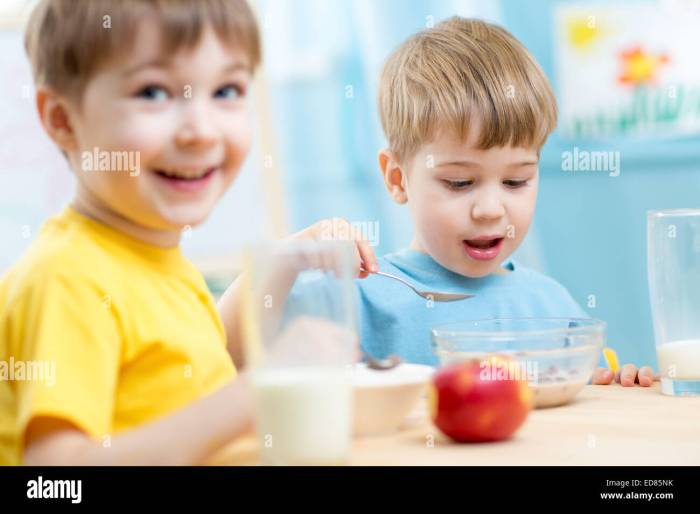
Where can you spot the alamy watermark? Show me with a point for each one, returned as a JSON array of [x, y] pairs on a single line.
[[45, 488], [587, 160], [28, 371], [500, 369], [339, 229], [103, 160]]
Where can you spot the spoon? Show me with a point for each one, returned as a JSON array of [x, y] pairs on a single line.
[[383, 364], [428, 295]]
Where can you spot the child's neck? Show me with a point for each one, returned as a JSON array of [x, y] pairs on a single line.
[[95, 210]]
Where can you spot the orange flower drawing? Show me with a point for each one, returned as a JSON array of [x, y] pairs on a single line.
[[640, 67]]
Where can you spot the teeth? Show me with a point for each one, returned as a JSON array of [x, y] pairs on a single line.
[[185, 175]]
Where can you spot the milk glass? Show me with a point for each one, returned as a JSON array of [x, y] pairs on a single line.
[[674, 289], [300, 339]]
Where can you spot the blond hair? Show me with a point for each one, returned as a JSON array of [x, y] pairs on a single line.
[[459, 72], [68, 40]]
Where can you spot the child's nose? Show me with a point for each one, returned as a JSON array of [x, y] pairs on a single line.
[[196, 128], [488, 207]]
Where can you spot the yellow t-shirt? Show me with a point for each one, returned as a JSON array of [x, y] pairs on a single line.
[[103, 331]]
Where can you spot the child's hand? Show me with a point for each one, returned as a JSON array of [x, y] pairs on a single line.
[[338, 229], [627, 377], [308, 339]]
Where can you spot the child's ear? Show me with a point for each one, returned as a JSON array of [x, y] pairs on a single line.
[[394, 176], [55, 118]]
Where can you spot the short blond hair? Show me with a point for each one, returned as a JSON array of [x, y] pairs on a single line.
[[68, 40], [464, 70]]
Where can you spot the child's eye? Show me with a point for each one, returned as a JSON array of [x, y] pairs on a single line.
[[230, 92], [515, 184], [457, 185], [153, 92]]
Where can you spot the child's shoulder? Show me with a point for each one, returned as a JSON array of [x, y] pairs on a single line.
[[60, 253], [535, 277], [534, 280], [547, 291]]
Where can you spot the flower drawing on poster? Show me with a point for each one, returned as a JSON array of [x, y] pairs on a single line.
[[628, 69]]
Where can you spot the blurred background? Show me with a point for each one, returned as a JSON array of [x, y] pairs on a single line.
[[626, 77]]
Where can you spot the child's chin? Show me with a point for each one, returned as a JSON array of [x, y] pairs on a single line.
[[471, 273], [182, 218], [479, 270], [467, 269]]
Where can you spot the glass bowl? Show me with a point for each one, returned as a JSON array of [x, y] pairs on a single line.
[[556, 355]]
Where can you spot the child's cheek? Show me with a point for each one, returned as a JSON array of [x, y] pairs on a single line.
[[237, 134], [444, 222], [238, 140], [145, 134], [520, 210]]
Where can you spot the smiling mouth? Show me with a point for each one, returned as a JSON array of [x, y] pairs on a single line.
[[187, 176]]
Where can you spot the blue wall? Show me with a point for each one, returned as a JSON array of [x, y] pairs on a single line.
[[592, 228], [589, 230]]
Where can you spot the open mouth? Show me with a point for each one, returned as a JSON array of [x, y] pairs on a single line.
[[483, 249], [483, 244]]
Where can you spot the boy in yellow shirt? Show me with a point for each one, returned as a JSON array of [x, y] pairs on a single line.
[[147, 101]]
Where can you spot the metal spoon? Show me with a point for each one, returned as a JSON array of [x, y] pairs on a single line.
[[428, 295], [383, 364]]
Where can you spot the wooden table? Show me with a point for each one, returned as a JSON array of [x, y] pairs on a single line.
[[605, 425]]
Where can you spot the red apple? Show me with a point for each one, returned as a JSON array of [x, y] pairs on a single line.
[[480, 400]]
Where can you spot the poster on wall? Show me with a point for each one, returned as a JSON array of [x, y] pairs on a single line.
[[628, 69]]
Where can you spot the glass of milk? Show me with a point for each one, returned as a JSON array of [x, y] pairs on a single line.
[[673, 262], [300, 338]]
